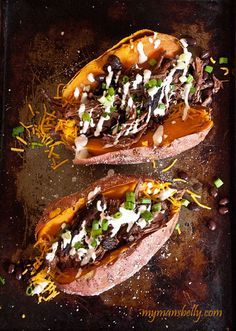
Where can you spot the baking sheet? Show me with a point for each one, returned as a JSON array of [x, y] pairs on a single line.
[[46, 42]]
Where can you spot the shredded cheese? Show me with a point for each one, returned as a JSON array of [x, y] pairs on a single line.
[[59, 164], [199, 204], [212, 60], [19, 150], [31, 109], [170, 166], [154, 164], [179, 180], [226, 70], [21, 140]]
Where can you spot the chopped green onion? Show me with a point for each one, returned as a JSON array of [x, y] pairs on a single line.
[[223, 60], [129, 205], [86, 117], [2, 280], [78, 245], [172, 87], [104, 86], [130, 197], [111, 91], [208, 69], [112, 109], [105, 224], [218, 183], [94, 243], [125, 79], [152, 62], [192, 89], [178, 228], [161, 106], [151, 83], [159, 82], [17, 130], [156, 207], [95, 225], [117, 215], [145, 200], [29, 291], [189, 79], [138, 111], [95, 233], [147, 215], [35, 144], [105, 114], [185, 202]]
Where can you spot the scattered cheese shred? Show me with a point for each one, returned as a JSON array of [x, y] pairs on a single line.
[[170, 166], [212, 60], [31, 109], [179, 180], [193, 194], [145, 143], [21, 140], [19, 150], [178, 228], [154, 164], [200, 204], [59, 164], [226, 70]]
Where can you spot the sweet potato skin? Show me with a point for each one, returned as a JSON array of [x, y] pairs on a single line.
[[106, 275], [146, 154]]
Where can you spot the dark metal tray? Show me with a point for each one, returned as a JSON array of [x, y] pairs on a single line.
[[46, 42]]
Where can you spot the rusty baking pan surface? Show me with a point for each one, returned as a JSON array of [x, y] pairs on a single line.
[[44, 44]]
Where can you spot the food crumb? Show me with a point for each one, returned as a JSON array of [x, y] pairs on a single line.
[[23, 316], [73, 179], [62, 33]]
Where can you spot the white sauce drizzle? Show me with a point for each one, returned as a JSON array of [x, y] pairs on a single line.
[[109, 76], [91, 78], [125, 93], [146, 75], [76, 93], [81, 110], [138, 80], [50, 256], [157, 43], [142, 56], [158, 135], [94, 192]]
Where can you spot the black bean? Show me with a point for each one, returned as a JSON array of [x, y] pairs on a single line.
[[11, 268], [213, 192], [223, 210], [193, 206], [190, 40], [183, 175], [19, 274], [211, 225], [114, 62], [205, 55], [223, 201]]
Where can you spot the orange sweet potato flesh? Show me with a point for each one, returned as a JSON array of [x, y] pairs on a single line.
[[198, 120], [127, 52], [50, 228]]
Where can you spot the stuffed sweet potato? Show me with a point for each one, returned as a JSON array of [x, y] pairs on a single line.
[[145, 98], [91, 241]]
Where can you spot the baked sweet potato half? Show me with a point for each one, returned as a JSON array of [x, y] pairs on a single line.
[[90, 241], [146, 98]]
